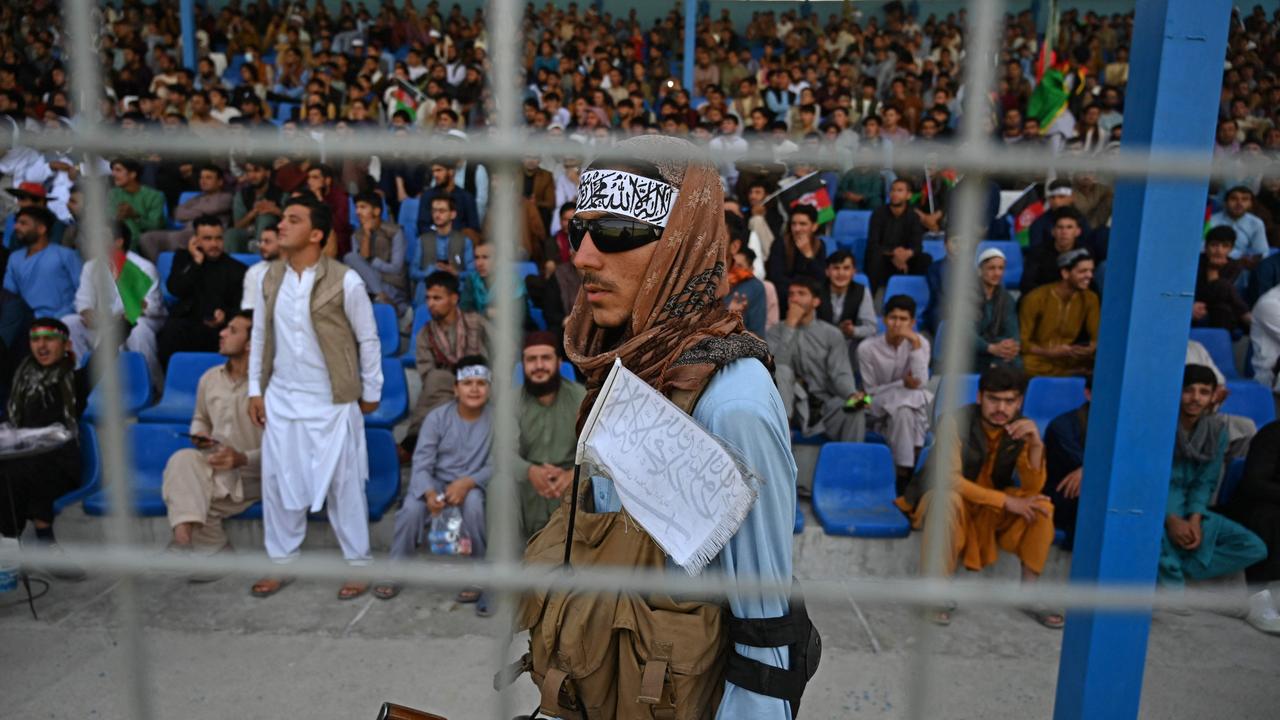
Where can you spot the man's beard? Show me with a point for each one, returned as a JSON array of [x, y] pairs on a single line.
[[542, 389]]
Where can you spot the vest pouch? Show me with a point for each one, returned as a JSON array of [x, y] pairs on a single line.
[[612, 655]]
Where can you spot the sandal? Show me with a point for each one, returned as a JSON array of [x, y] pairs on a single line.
[[940, 615], [484, 605], [352, 590], [468, 595], [1051, 619], [386, 590], [266, 587]]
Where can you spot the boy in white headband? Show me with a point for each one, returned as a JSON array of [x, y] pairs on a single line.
[[451, 466]]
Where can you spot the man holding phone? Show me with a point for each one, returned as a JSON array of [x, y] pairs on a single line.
[[220, 477]]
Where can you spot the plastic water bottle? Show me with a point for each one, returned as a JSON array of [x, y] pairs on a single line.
[[8, 564]]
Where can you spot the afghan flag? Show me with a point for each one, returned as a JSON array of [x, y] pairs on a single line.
[[925, 196], [808, 190], [1208, 213], [1024, 211], [133, 284]]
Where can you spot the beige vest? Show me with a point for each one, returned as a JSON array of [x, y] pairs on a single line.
[[328, 318]]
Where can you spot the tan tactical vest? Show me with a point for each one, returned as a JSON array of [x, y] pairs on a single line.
[[328, 318], [623, 656]]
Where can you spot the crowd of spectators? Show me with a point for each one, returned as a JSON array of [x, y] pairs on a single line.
[[418, 230]]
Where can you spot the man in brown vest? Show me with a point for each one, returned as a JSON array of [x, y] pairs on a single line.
[[314, 368], [378, 252]]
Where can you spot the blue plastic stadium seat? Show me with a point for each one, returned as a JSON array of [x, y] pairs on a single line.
[[914, 286], [150, 447], [247, 259], [936, 249], [852, 223], [1230, 481], [183, 197], [135, 390], [1049, 397], [164, 266], [284, 112], [799, 520], [525, 269], [1250, 399], [408, 218], [535, 315], [1218, 342], [388, 328], [9, 224], [862, 279], [853, 492], [384, 478], [90, 469], [567, 371], [420, 319], [395, 396], [799, 439], [1012, 259], [967, 387], [178, 402]]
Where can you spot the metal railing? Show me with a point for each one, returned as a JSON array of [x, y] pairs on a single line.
[[502, 149]]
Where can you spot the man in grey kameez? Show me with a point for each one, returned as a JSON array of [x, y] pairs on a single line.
[[813, 372]]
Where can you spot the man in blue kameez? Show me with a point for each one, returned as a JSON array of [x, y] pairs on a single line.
[[654, 272]]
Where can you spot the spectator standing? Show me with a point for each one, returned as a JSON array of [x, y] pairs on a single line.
[[895, 239], [894, 366], [539, 188], [1059, 322], [209, 286], [547, 423], [315, 366], [221, 476]]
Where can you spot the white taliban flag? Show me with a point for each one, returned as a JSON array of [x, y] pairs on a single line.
[[683, 485]]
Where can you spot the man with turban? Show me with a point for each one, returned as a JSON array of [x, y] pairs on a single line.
[[651, 245]]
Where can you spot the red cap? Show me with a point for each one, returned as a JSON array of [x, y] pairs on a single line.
[[29, 190]]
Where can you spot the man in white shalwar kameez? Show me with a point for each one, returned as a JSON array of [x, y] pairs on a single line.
[[895, 369], [314, 369]]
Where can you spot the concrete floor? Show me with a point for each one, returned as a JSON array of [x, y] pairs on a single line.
[[213, 652]]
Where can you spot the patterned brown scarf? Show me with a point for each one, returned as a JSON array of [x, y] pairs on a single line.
[[680, 332]]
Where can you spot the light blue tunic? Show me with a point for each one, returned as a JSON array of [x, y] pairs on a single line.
[[742, 407]]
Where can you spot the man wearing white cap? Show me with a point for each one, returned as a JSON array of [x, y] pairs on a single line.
[[996, 336]]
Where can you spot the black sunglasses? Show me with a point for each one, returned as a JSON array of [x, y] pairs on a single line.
[[611, 234]]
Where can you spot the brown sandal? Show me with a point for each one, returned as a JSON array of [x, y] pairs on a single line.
[[266, 587], [352, 590]]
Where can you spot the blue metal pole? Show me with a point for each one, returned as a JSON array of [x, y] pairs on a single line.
[[1171, 103], [690, 30], [187, 14]]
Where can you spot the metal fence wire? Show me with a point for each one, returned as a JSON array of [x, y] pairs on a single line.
[[502, 149]]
